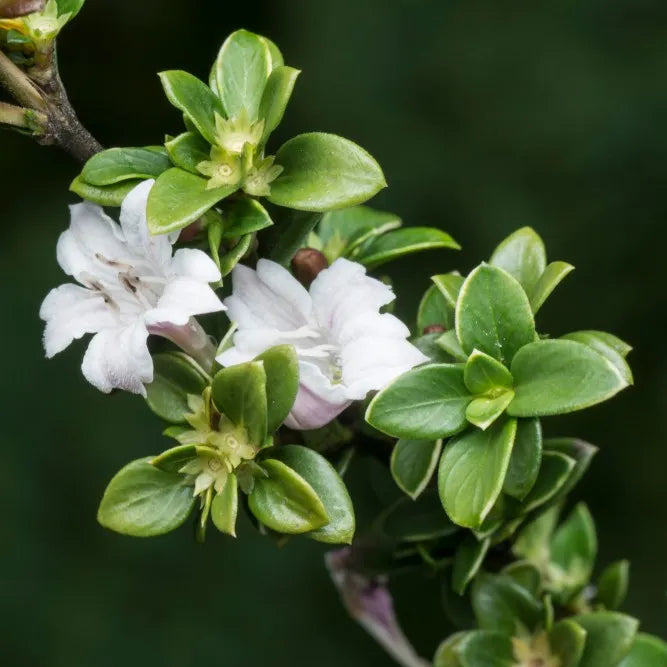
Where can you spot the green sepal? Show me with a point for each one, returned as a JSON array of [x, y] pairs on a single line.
[[187, 150], [225, 506], [467, 561], [239, 392], [413, 463], [123, 164], [110, 195], [425, 403], [143, 501], [612, 586], [285, 502], [609, 637]]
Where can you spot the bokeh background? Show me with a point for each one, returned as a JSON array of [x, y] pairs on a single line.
[[486, 116]]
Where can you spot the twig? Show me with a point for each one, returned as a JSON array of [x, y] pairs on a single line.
[[19, 85], [27, 119]]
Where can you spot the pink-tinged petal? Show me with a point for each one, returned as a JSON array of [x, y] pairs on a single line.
[[119, 359], [181, 299], [343, 292], [195, 264], [257, 304], [70, 312], [311, 411], [371, 363], [156, 249]]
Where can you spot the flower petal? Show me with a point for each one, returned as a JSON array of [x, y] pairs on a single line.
[[383, 325], [181, 299], [195, 264], [119, 359], [312, 411], [70, 312]]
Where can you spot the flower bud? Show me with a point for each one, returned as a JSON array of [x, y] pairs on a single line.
[[10, 9], [434, 328], [306, 264]]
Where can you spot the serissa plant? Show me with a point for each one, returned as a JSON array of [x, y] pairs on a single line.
[[234, 294]]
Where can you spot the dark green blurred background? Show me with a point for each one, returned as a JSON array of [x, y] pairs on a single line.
[[485, 117]]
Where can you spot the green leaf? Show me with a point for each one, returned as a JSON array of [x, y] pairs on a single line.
[[417, 520], [71, 7], [547, 283], [559, 376], [239, 392], [567, 640], [609, 637], [502, 605], [276, 95], [449, 285], [324, 172], [225, 506], [175, 376], [579, 450], [282, 383], [241, 71], [328, 486], [449, 342], [122, 164], [201, 522], [533, 543], [434, 310], [179, 198], [110, 195], [482, 412], [493, 314], [482, 648], [290, 233], [194, 98], [143, 501], [232, 257], [175, 458], [483, 374], [613, 584], [467, 561], [243, 216], [428, 344], [606, 345], [574, 547], [526, 458], [525, 574], [413, 463], [523, 256], [392, 245], [646, 651], [425, 403], [187, 150], [472, 471], [446, 654], [285, 502]]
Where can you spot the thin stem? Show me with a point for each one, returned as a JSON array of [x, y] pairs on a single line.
[[18, 84], [21, 117]]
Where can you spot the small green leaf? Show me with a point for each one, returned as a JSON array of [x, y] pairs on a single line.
[[241, 71], [646, 651], [547, 283], [493, 314], [276, 95], [232, 257], [239, 392], [425, 403], [446, 654], [526, 458], [290, 233], [559, 376], [187, 150], [175, 458], [179, 198], [328, 486], [449, 342], [322, 172], [609, 637], [282, 383], [472, 471], [110, 195], [225, 506], [467, 561], [194, 98], [567, 640], [175, 376], [276, 57], [501, 605], [533, 542], [482, 412], [613, 584], [434, 310], [143, 501], [285, 502], [392, 245], [523, 256], [417, 520], [449, 285], [579, 450], [483, 374], [413, 463], [606, 345], [201, 523], [123, 164], [428, 344], [525, 574], [483, 648], [71, 7], [243, 216]]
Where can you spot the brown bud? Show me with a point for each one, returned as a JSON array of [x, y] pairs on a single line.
[[11, 9], [190, 232], [307, 263], [434, 328]]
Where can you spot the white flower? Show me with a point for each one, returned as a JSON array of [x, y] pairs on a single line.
[[131, 286], [345, 347]]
